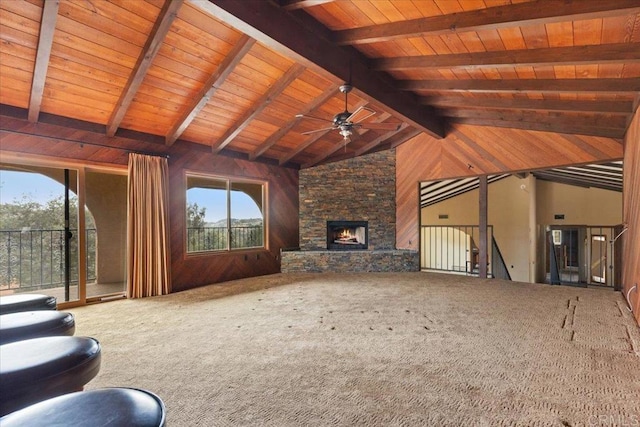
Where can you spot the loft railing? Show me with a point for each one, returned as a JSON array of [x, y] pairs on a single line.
[[452, 248], [34, 259], [201, 239]]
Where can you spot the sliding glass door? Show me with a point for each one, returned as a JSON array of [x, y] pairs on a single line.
[[49, 245], [39, 231]]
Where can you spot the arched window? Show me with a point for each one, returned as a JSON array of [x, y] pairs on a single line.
[[224, 214]]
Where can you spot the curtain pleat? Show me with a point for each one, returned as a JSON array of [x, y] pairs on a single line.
[[148, 262]]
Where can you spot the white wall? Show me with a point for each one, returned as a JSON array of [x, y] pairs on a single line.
[[520, 209], [580, 206]]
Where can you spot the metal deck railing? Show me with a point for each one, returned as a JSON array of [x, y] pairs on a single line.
[[34, 259], [200, 239]]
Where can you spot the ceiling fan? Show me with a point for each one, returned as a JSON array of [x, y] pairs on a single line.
[[346, 122]]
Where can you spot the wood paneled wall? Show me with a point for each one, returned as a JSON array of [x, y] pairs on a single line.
[[191, 271], [478, 150], [631, 215], [57, 142]]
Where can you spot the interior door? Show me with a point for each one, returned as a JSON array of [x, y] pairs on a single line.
[[566, 256]]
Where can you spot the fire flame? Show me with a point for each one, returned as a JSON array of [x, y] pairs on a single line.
[[345, 234]]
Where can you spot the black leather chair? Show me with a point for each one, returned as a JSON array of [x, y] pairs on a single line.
[[40, 368], [26, 302], [113, 407], [35, 324]]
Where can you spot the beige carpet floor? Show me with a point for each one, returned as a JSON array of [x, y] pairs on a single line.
[[409, 349]]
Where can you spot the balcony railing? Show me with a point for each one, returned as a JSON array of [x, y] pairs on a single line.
[[200, 239], [34, 259]]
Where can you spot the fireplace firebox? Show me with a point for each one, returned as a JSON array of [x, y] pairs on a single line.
[[347, 235]]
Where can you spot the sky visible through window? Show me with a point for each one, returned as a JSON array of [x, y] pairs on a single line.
[[39, 188], [215, 203]]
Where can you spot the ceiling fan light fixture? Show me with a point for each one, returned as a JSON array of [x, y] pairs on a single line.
[[345, 132]]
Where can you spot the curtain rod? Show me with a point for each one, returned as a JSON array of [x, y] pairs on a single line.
[[95, 144]]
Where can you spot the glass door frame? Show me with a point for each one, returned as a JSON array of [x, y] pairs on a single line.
[[80, 167]]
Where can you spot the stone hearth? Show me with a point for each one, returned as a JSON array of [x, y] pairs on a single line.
[[349, 261]]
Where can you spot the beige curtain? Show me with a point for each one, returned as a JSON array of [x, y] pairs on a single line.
[[148, 227]]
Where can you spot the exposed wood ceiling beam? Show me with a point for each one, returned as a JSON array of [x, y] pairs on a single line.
[[557, 126], [226, 67], [279, 30], [379, 140], [45, 42], [582, 181], [151, 48], [609, 107], [289, 76], [572, 55], [521, 85], [592, 174], [601, 170], [538, 12], [275, 137], [301, 4], [570, 119]]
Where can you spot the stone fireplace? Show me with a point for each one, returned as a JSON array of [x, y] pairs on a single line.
[[347, 218], [347, 235]]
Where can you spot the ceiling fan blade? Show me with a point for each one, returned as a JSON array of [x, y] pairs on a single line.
[[379, 126], [360, 114], [304, 116], [318, 130]]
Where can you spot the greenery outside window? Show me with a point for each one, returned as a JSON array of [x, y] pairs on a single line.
[[224, 214]]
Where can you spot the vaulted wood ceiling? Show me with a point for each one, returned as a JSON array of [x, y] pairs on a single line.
[[233, 75]]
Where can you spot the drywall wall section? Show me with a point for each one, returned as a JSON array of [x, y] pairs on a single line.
[[580, 206], [508, 213]]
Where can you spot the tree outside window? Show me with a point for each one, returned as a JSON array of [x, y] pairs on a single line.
[[224, 214]]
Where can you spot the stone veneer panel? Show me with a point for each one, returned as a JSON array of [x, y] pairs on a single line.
[[363, 188], [350, 261]]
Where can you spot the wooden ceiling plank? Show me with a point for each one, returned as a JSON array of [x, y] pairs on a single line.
[[303, 42], [379, 140], [160, 29], [292, 73], [275, 137], [492, 18], [401, 139], [200, 100], [553, 56], [609, 107], [301, 147], [45, 42], [615, 86], [551, 126], [301, 4]]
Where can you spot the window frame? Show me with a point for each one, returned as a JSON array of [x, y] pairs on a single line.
[[229, 180]]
